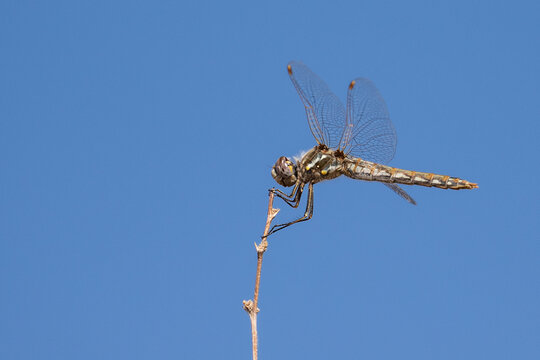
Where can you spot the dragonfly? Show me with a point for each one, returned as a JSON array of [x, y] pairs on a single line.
[[356, 141]]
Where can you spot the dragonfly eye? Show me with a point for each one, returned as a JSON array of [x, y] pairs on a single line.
[[284, 172]]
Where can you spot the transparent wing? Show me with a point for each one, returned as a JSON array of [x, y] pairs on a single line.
[[369, 133], [400, 192], [325, 112]]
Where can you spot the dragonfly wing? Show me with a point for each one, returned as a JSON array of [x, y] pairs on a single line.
[[400, 192], [325, 112], [370, 133]]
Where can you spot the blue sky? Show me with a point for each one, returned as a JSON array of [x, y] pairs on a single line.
[[136, 143]]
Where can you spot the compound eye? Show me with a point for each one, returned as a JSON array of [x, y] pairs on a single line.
[[284, 171], [289, 164], [284, 166]]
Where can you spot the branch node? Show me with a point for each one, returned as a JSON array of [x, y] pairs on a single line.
[[249, 306], [262, 246], [273, 213]]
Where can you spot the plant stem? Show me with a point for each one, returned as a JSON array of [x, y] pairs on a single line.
[[251, 305]]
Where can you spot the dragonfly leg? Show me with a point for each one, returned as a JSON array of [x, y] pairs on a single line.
[[281, 194], [307, 215], [293, 200]]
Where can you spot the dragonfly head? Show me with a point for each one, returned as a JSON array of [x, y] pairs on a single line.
[[284, 172]]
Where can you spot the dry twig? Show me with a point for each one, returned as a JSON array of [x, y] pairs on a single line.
[[251, 305]]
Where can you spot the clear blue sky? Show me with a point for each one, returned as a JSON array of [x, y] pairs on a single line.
[[136, 142]]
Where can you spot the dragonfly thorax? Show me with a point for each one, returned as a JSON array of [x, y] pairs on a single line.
[[284, 171], [320, 164]]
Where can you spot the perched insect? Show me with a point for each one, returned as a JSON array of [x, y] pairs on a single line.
[[354, 141]]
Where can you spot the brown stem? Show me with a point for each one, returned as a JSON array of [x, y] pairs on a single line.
[[251, 305]]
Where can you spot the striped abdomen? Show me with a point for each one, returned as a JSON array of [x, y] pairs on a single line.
[[369, 171]]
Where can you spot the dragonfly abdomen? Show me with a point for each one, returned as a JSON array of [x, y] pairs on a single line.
[[369, 171]]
